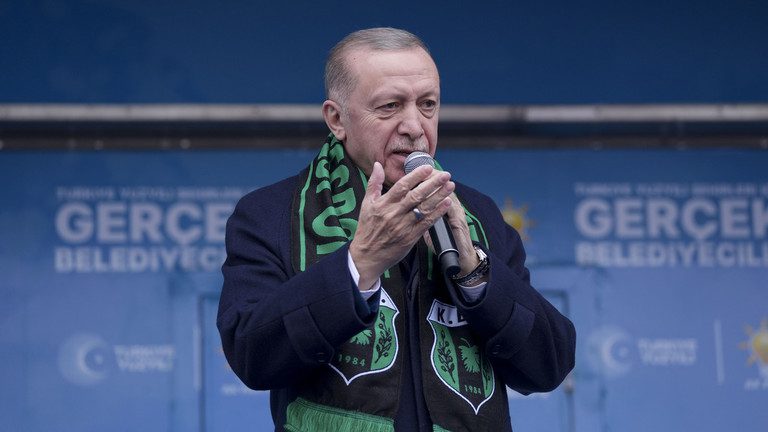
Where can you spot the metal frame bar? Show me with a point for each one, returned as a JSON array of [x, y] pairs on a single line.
[[276, 113]]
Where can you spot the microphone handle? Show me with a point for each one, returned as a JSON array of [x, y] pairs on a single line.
[[442, 240]]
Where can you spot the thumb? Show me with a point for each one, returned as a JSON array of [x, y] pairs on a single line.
[[428, 240], [375, 181]]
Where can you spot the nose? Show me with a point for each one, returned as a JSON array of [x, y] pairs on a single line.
[[410, 123]]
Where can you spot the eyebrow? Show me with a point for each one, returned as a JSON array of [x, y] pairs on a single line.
[[395, 95]]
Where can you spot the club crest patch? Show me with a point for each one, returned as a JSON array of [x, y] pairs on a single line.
[[372, 350], [456, 359]]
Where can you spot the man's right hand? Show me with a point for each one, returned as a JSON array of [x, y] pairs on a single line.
[[387, 227]]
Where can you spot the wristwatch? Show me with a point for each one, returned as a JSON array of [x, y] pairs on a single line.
[[478, 273]]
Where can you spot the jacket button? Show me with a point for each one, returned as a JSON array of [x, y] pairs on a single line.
[[496, 350], [321, 357]]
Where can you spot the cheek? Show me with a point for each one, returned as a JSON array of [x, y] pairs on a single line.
[[392, 175], [430, 130], [392, 167]]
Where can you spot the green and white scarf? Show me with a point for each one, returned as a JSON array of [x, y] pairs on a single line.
[[360, 388]]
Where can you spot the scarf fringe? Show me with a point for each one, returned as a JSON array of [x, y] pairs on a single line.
[[305, 416]]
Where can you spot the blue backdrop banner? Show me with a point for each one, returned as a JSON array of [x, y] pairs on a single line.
[[110, 282]]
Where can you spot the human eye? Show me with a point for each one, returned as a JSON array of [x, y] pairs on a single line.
[[389, 106], [428, 105], [387, 109]]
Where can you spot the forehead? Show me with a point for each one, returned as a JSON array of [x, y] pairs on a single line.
[[373, 68]]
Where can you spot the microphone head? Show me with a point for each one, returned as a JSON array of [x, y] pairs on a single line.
[[417, 159]]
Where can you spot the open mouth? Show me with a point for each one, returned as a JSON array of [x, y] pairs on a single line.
[[400, 157]]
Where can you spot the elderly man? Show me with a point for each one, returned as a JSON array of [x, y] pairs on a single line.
[[333, 298]]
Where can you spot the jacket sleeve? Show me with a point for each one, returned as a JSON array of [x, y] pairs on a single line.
[[275, 328], [529, 342]]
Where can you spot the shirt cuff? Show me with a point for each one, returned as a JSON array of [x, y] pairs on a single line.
[[356, 277], [474, 292]]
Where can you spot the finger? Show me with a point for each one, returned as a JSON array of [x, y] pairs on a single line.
[[375, 182], [440, 210], [456, 212], [432, 201], [409, 181], [426, 189], [428, 240], [458, 221], [456, 216]]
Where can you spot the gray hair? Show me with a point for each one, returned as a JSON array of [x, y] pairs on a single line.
[[339, 81]]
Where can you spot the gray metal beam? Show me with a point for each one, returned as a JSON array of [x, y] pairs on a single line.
[[195, 113]]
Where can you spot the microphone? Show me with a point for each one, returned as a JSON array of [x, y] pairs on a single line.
[[440, 233]]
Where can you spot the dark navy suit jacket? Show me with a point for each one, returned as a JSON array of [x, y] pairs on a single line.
[[277, 327]]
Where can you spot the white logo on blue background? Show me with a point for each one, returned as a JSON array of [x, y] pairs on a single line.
[[83, 359], [610, 351]]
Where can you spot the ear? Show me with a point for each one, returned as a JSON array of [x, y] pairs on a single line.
[[332, 116]]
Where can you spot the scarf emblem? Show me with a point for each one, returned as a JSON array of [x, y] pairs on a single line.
[[456, 359], [372, 350]]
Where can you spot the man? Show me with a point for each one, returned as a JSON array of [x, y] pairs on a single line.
[[333, 298]]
